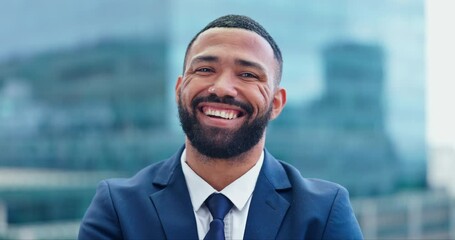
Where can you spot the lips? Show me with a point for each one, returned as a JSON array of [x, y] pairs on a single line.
[[221, 109], [227, 114]]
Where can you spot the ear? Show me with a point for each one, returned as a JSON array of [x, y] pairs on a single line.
[[279, 100], [178, 84]]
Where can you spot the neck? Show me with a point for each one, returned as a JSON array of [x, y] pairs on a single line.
[[219, 173]]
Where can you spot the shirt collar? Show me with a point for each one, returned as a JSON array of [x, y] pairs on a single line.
[[239, 191]]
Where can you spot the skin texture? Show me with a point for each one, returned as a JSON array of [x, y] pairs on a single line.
[[238, 64]]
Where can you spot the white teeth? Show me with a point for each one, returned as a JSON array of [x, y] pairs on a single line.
[[221, 114]]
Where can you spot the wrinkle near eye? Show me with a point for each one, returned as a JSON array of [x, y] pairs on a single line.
[[265, 92], [186, 80]]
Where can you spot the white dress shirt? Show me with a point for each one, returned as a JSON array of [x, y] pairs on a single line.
[[239, 192]]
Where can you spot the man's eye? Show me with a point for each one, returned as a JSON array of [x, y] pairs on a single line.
[[204, 70], [248, 75]]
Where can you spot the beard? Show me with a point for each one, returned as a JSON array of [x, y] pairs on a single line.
[[222, 143]]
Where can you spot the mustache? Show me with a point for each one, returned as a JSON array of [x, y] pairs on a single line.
[[248, 108]]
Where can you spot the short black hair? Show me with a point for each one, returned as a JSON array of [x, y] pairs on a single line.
[[242, 22]]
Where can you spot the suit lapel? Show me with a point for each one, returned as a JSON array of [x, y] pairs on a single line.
[[268, 207], [173, 203]]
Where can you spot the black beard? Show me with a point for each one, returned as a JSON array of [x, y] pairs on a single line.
[[217, 142]]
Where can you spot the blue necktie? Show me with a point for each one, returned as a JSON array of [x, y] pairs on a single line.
[[219, 206]]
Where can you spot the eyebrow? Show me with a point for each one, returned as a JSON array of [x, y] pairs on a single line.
[[207, 58], [247, 63]]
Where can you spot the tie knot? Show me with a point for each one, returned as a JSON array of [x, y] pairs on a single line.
[[218, 205]]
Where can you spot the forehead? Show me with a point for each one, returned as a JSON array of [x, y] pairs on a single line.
[[233, 42]]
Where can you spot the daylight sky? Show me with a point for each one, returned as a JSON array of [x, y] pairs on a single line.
[[440, 73]]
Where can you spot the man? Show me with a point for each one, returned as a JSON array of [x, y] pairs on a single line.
[[223, 183]]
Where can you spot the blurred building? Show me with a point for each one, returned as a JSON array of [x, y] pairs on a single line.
[[94, 107], [43, 203], [341, 136], [407, 215], [98, 106]]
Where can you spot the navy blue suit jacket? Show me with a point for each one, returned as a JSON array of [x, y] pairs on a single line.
[[155, 204]]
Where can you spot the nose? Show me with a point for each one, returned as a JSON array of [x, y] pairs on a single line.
[[224, 86]]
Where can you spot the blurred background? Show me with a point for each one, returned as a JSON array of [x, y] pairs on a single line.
[[87, 93]]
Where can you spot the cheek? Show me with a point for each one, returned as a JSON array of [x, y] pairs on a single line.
[[185, 83], [191, 88], [186, 97], [265, 94], [184, 94], [260, 98]]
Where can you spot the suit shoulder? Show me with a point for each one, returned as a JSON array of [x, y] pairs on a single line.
[[311, 186], [148, 178]]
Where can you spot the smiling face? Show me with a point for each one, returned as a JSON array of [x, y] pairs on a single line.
[[228, 91]]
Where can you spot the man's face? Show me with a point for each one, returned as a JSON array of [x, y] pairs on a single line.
[[227, 93]]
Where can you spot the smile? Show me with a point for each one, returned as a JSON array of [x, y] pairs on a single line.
[[221, 112], [228, 114]]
